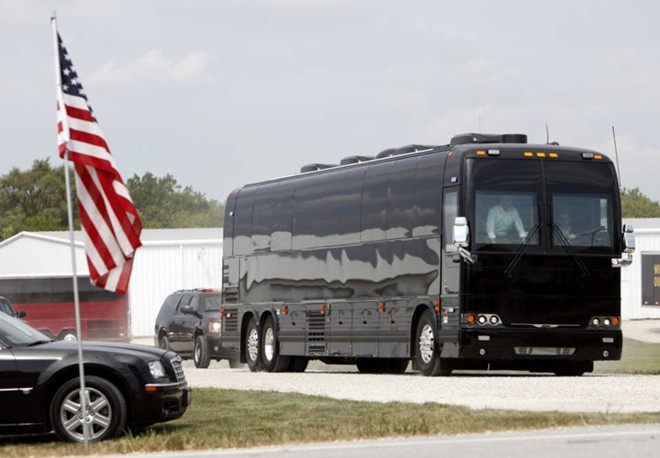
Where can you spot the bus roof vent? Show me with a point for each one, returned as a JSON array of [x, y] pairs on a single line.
[[355, 159], [315, 167], [463, 139], [514, 138], [402, 150]]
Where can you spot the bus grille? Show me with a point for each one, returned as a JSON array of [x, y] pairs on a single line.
[[231, 319], [315, 332], [230, 295], [178, 371]]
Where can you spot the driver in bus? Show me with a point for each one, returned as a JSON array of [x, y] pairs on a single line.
[[502, 220], [564, 225]]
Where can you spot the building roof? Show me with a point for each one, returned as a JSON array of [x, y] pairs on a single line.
[[148, 236], [644, 224]]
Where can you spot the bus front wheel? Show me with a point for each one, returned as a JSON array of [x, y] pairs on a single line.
[[427, 348]]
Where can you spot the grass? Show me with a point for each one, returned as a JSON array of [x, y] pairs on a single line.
[[234, 418], [638, 358]]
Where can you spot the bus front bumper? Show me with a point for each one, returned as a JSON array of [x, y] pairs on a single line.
[[505, 344]]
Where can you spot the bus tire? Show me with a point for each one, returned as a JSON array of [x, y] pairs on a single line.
[[108, 420], [398, 366], [428, 349], [201, 353], [368, 365], [270, 349], [252, 346], [297, 364], [235, 363], [573, 368]]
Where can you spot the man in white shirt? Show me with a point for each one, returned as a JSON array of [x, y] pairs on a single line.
[[502, 219]]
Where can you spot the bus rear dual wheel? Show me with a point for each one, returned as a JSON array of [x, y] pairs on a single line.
[[262, 350]]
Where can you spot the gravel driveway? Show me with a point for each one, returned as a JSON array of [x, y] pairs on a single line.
[[590, 393]]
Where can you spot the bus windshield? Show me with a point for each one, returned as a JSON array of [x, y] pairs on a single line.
[[551, 205]]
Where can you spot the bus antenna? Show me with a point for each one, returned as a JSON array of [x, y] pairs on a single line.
[[616, 155], [547, 134]]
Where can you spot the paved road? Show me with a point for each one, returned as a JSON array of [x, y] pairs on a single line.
[[594, 442]]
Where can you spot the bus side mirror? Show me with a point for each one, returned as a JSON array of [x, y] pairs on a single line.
[[461, 232], [628, 238], [628, 247]]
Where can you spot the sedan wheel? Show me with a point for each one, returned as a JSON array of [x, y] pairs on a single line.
[[105, 414]]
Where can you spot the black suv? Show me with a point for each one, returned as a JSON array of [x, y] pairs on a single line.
[[190, 323]]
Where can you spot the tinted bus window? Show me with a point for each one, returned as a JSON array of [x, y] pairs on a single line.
[[582, 203], [263, 215], [506, 197], [428, 185], [401, 191], [243, 221], [374, 202], [282, 217], [327, 210]]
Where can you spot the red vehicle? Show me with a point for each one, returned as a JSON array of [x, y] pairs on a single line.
[[49, 306]]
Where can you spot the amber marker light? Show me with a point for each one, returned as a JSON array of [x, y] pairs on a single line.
[[540, 154], [598, 157], [554, 155], [481, 153], [471, 318], [285, 310], [616, 321], [150, 389], [528, 154]]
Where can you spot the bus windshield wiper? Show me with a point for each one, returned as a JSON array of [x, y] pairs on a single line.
[[565, 244], [521, 250]]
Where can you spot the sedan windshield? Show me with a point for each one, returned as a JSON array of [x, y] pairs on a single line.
[[17, 333]]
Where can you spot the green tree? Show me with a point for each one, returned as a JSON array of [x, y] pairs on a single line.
[[637, 205], [34, 200], [163, 203]]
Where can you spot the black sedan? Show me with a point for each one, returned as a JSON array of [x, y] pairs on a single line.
[[126, 385]]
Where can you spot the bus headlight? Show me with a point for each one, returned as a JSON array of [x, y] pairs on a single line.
[[605, 321], [215, 327]]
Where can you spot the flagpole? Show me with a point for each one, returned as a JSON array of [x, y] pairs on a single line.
[[76, 299]]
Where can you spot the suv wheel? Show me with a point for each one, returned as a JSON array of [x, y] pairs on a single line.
[[201, 353], [164, 342]]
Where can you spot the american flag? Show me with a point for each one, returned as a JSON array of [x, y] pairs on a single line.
[[110, 222]]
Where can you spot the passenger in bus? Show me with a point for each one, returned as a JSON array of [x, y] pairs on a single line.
[[564, 224], [502, 220]]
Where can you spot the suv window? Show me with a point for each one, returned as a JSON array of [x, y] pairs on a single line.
[[6, 307]]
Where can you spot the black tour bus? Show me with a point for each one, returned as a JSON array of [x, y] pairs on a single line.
[[487, 253]]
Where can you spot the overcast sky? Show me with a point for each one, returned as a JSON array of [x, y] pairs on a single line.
[[227, 92]]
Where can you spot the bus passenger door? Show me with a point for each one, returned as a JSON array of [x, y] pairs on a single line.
[[450, 283]]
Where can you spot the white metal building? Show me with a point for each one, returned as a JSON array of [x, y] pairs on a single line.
[[634, 279], [169, 260]]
